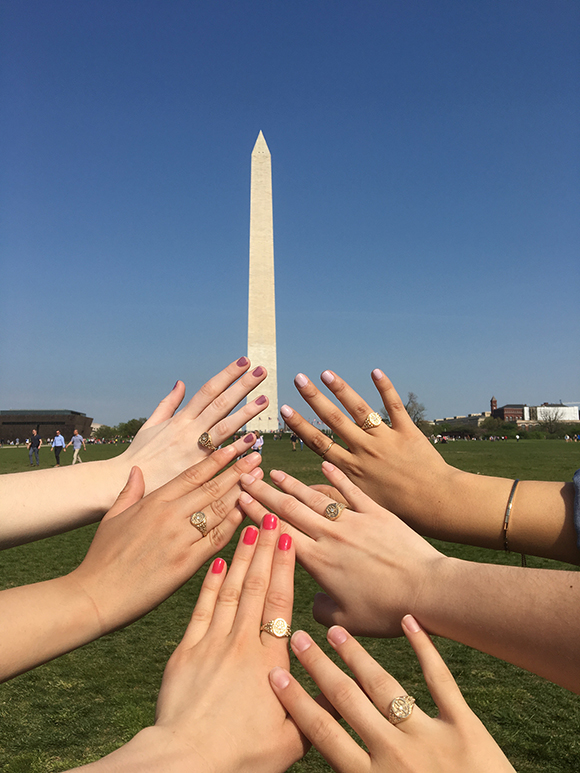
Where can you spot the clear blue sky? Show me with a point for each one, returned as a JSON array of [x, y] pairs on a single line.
[[426, 197]]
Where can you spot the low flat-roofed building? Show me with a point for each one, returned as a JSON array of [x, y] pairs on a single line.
[[19, 424]]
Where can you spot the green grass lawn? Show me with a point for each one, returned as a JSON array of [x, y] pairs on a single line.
[[85, 704]]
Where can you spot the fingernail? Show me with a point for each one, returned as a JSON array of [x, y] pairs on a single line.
[[132, 473], [243, 361], [328, 466], [285, 542], [218, 566], [301, 380], [250, 535], [279, 678], [277, 476], [270, 522], [336, 635], [246, 479], [300, 641], [176, 383], [327, 377], [286, 411], [245, 498], [258, 371], [261, 400], [255, 473], [411, 624], [377, 374], [249, 438]]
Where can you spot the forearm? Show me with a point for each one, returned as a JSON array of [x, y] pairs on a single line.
[[38, 504], [41, 622], [467, 508], [528, 617]]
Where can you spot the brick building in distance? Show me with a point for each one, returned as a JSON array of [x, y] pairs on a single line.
[[19, 424]]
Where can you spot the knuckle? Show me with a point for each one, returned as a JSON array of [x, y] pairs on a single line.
[[335, 417], [229, 596], [320, 730], [221, 402], [278, 600], [207, 390], [344, 693], [212, 488], [201, 615], [220, 509], [255, 585], [319, 442], [221, 429], [193, 476]]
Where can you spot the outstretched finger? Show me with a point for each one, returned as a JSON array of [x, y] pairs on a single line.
[[280, 595], [132, 493], [206, 603], [439, 679], [215, 386], [167, 406], [391, 400], [316, 440]]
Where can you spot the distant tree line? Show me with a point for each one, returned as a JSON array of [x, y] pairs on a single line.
[[123, 431]]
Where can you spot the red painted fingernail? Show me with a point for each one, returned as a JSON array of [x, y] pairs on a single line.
[[218, 566], [270, 522], [285, 542], [249, 438], [250, 535], [258, 371], [241, 362], [261, 400]]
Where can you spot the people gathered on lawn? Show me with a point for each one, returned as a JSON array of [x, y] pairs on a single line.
[[228, 701]]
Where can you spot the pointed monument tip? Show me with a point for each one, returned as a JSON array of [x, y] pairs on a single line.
[[261, 146]]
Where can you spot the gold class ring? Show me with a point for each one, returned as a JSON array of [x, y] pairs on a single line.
[[199, 521], [401, 709], [205, 440], [278, 628], [372, 420], [333, 510]]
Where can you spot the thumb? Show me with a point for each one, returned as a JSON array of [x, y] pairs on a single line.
[[132, 493], [326, 611]]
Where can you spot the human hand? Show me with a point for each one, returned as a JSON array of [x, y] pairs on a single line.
[[216, 711], [146, 548], [454, 742], [396, 466], [372, 565], [168, 441]]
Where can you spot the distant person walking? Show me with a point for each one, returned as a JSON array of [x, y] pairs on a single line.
[[33, 445], [294, 440], [258, 445], [77, 441], [58, 446]]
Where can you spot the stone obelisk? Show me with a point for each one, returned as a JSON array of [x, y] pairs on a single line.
[[262, 295]]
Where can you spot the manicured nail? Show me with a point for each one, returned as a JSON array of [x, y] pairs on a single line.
[[258, 371], [132, 473], [327, 377], [411, 624], [250, 535], [286, 411], [285, 542], [270, 522], [300, 641], [301, 380], [328, 466], [175, 387], [242, 362], [261, 400], [246, 479], [336, 635], [218, 566], [249, 438], [245, 498], [377, 374], [277, 476], [279, 678]]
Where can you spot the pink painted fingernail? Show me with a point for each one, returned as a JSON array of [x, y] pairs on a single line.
[[300, 641], [286, 411], [411, 624], [242, 362], [249, 438], [327, 377], [250, 535], [280, 678], [218, 566], [301, 380], [258, 371], [261, 400], [270, 522], [285, 542], [336, 635], [377, 374]]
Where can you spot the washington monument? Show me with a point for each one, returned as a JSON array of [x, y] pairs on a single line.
[[261, 300]]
